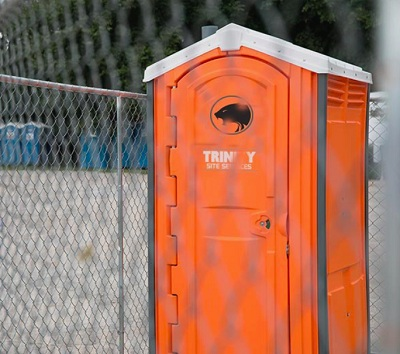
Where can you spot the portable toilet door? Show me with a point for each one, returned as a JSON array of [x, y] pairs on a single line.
[[94, 152], [128, 149], [35, 140], [134, 148], [140, 145], [245, 135], [11, 145]]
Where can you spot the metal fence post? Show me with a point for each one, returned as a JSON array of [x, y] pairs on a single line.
[[120, 229]]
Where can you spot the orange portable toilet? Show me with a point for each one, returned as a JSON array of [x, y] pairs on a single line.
[[257, 216]]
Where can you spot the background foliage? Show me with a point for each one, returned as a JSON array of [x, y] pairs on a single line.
[[109, 43]]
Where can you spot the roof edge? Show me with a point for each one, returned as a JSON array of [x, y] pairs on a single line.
[[232, 37]]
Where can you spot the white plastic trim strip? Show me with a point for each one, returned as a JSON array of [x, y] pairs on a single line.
[[379, 95]]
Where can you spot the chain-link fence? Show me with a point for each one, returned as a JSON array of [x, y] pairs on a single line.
[[377, 138], [73, 219]]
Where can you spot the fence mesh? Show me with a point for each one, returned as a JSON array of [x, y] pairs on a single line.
[[377, 138], [59, 217]]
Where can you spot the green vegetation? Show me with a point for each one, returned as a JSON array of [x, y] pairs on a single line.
[[109, 43]]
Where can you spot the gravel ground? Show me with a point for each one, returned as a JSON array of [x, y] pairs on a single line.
[[59, 262]]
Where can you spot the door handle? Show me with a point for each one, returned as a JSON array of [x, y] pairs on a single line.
[[261, 223]]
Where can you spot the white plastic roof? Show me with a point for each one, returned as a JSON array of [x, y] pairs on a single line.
[[232, 37]]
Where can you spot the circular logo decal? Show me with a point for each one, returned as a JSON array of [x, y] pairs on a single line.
[[231, 115]]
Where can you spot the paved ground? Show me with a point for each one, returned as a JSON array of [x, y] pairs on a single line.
[[59, 262]]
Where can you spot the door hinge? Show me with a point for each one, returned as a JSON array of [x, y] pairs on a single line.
[[287, 250], [172, 309], [170, 191], [173, 161], [171, 251], [171, 130]]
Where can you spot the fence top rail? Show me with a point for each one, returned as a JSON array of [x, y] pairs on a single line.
[[378, 96], [8, 79]]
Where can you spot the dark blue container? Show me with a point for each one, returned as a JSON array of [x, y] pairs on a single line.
[[10, 144], [94, 152], [35, 142]]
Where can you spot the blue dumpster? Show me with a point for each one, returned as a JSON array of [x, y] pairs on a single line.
[[35, 142], [10, 144], [94, 152]]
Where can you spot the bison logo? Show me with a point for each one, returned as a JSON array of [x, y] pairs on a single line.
[[231, 115]]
